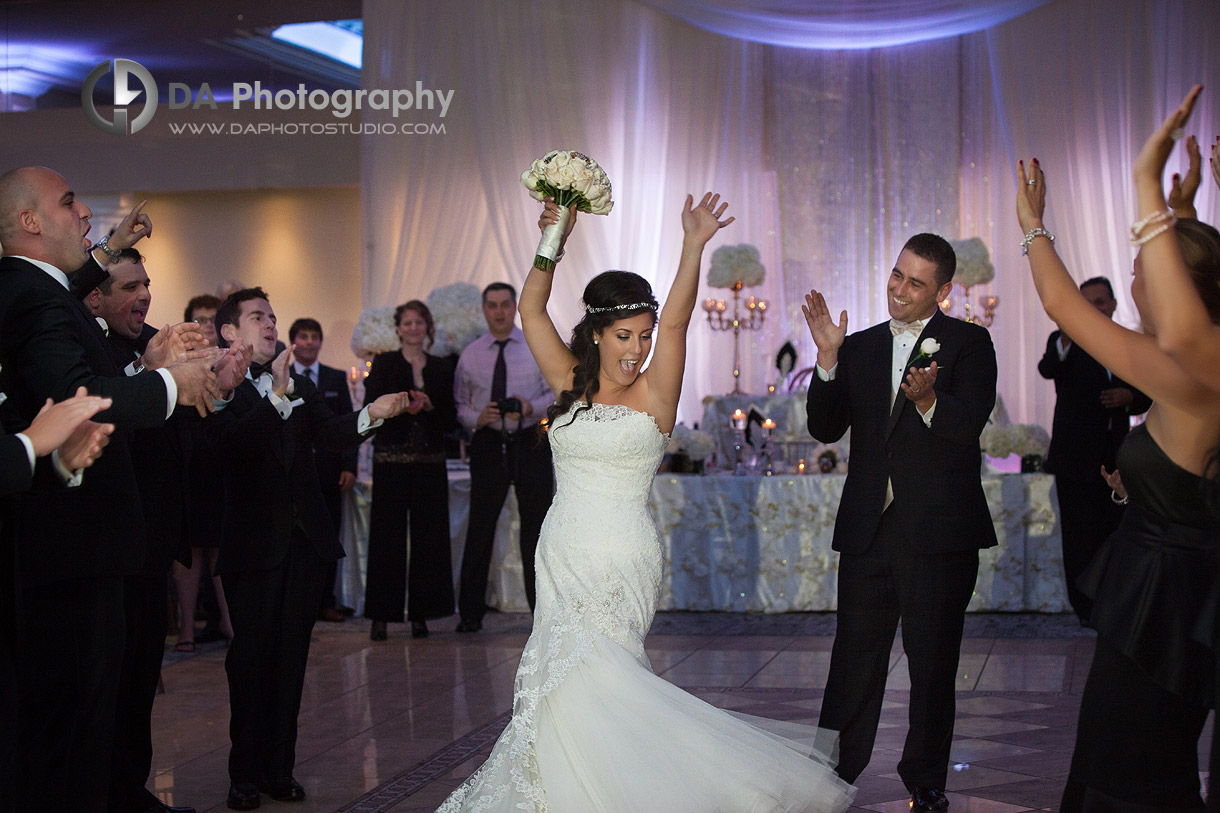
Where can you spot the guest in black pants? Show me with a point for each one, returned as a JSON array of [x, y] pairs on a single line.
[[1092, 416], [506, 447], [410, 483]]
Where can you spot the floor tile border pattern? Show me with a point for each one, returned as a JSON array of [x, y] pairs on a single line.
[[392, 792]]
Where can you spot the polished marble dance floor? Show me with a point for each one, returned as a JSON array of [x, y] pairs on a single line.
[[395, 726]]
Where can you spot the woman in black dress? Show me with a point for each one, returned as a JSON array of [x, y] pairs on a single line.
[[410, 484], [1152, 679]]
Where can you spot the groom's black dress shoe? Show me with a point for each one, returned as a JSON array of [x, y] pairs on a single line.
[[469, 625], [284, 789], [926, 800], [243, 796]]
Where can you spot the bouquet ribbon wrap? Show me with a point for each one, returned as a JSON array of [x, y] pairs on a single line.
[[552, 236]]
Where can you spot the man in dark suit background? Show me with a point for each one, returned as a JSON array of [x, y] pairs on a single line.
[[277, 540], [1093, 410], [65, 431], [159, 454], [916, 393], [336, 469], [73, 546]]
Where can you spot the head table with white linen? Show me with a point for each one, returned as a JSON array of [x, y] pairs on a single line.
[[762, 544]]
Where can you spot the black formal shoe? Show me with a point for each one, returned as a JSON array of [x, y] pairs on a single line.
[[285, 789], [159, 807], [926, 799], [244, 796], [419, 629], [469, 625], [332, 615], [154, 805], [377, 631]]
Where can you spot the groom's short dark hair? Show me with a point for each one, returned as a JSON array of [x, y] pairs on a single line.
[[935, 249]]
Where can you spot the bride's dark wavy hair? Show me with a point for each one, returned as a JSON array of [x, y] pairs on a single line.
[[610, 289]]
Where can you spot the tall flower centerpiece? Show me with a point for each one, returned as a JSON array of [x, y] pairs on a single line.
[[736, 267], [973, 268], [375, 332], [568, 177], [457, 311]]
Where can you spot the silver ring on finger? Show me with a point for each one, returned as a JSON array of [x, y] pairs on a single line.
[[1031, 182]]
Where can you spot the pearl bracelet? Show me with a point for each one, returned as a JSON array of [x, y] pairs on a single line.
[[1166, 219], [1031, 234], [1114, 498]]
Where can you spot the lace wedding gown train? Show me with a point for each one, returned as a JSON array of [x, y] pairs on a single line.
[[593, 728]]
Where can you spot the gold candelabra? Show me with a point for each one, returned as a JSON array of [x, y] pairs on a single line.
[[980, 311], [756, 311]]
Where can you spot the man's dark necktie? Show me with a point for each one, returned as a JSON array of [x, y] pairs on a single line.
[[308, 373], [499, 376]]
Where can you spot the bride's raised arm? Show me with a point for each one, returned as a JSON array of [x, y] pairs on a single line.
[[549, 350], [664, 373]]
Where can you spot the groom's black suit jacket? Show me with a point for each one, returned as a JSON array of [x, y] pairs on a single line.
[[938, 493], [50, 345], [271, 481]]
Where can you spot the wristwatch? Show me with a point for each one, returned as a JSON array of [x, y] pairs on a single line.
[[112, 254]]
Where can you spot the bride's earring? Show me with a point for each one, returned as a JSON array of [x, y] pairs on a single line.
[[595, 341]]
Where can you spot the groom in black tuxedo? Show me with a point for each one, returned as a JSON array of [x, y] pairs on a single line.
[[916, 392]]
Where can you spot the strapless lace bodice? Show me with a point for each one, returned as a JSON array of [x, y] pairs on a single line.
[[607, 451]]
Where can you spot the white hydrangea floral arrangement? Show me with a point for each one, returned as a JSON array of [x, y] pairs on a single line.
[[734, 264], [973, 263], [457, 311], [1014, 438], [375, 332], [694, 443]]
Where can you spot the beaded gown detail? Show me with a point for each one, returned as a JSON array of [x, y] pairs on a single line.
[[593, 728]]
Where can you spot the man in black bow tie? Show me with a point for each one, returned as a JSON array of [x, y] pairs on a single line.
[[916, 392], [276, 542], [121, 301], [74, 546]]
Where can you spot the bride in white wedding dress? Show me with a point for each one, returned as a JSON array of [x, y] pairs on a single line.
[[593, 728]]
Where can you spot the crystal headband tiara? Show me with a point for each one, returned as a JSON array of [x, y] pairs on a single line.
[[634, 306]]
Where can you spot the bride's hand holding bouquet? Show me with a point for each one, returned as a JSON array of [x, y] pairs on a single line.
[[574, 182]]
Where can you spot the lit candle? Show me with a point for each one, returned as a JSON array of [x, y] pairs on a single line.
[[762, 304], [709, 305], [720, 305], [769, 425], [751, 303], [800, 466], [739, 419]]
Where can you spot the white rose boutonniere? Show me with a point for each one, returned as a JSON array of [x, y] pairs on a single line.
[[927, 348]]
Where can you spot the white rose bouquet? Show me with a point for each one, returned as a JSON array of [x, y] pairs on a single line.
[[973, 262], [457, 311], [375, 332], [568, 177], [732, 265]]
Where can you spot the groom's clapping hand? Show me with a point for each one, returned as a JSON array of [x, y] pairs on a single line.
[[826, 334]]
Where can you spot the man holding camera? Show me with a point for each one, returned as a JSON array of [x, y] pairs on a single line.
[[501, 395]]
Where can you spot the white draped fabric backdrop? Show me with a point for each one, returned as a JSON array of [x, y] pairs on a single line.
[[835, 131]]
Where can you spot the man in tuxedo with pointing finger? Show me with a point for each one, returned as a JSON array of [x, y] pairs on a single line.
[[916, 392]]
